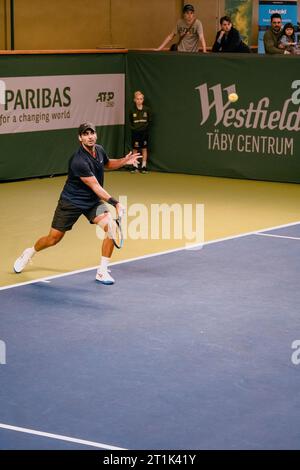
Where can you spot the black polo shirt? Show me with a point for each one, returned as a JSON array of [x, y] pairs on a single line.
[[140, 119], [82, 164]]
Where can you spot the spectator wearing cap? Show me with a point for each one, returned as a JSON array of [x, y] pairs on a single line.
[[84, 194], [189, 30], [228, 39]]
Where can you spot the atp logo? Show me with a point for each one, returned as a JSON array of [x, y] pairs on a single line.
[[106, 97]]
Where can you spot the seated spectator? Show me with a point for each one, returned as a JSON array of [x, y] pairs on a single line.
[[228, 39], [272, 36], [287, 40]]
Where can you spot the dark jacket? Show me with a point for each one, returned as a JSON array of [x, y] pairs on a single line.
[[271, 39], [230, 42]]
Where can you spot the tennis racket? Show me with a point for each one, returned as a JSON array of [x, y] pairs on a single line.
[[116, 233]]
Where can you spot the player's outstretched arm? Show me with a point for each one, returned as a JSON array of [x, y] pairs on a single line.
[[130, 159]]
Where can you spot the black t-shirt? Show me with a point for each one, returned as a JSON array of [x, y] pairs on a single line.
[[83, 164], [140, 119]]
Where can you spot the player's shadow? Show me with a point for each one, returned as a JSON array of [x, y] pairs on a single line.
[[32, 269]]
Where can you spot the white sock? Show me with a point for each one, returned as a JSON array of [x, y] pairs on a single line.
[[104, 263], [144, 164]]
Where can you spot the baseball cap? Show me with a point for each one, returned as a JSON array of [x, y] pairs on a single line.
[[188, 7], [85, 126]]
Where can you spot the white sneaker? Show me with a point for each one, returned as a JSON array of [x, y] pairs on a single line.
[[104, 277], [24, 259]]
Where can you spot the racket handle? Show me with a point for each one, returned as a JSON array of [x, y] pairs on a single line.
[[121, 213]]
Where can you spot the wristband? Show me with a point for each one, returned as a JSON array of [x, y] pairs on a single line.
[[112, 201]]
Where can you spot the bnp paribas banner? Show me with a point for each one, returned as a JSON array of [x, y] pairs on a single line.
[[44, 98], [197, 129], [31, 104]]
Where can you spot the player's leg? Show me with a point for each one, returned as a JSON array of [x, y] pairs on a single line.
[[135, 168], [51, 239], [136, 145], [66, 214], [144, 147], [144, 160], [104, 220]]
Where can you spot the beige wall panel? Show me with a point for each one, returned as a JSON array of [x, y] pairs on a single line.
[[67, 24], [254, 40], [143, 23], [3, 25], [73, 24], [208, 12]]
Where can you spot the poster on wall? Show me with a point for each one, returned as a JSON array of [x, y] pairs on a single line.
[[287, 10], [240, 12]]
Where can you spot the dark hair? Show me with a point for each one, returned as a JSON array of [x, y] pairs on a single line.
[[275, 15], [188, 7], [225, 18], [289, 25]]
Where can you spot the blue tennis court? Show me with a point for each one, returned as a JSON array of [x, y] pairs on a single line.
[[190, 349]]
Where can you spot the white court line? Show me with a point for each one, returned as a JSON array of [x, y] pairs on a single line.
[[277, 236], [175, 250], [99, 445]]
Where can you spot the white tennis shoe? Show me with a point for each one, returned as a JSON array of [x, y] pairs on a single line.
[[23, 260], [104, 277]]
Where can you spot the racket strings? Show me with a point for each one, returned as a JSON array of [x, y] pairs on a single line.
[[115, 232]]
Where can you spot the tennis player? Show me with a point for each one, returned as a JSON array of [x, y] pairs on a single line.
[[83, 193]]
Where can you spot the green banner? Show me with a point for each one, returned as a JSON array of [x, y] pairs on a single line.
[[39, 116], [240, 12], [197, 130]]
